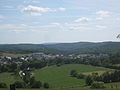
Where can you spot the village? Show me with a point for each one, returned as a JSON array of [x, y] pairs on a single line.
[[43, 56]]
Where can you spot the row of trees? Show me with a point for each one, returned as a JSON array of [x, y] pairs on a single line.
[[89, 80], [106, 77], [8, 67], [97, 81]]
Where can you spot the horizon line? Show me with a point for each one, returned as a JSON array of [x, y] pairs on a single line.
[[59, 42]]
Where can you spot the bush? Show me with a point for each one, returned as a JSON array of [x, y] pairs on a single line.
[[46, 85], [80, 76], [89, 80], [73, 73], [32, 80], [19, 84], [58, 65], [3, 85], [36, 84], [97, 85]]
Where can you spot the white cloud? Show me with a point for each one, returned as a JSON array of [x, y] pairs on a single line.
[[62, 9], [76, 26], [100, 27], [102, 14], [23, 25], [38, 11], [31, 8], [56, 23], [35, 10], [82, 19]]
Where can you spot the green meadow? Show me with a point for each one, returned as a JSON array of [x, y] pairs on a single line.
[[59, 78]]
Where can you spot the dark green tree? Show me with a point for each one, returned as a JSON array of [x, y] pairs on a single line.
[[46, 85], [73, 73], [106, 77], [88, 80], [19, 84], [36, 84]]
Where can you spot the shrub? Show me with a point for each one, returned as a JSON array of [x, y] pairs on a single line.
[[80, 76], [58, 65], [88, 80], [32, 80], [97, 85], [36, 84], [46, 85], [3, 85], [19, 84], [73, 73], [106, 77]]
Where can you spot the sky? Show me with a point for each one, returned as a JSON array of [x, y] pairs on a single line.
[[44, 21]]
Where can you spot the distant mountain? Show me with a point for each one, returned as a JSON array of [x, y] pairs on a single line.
[[63, 48], [87, 47], [51, 43]]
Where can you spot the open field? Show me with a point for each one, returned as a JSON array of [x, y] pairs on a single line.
[[59, 79], [59, 76], [90, 73], [13, 55], [8, 78]]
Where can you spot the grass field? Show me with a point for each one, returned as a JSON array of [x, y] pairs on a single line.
[[13, 55], [59, 76], [8, 78], [59, 79]]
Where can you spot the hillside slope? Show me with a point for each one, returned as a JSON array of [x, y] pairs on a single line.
[[60, 76], [63, 48]]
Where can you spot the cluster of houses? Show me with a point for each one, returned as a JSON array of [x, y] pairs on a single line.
[[43, 56], [4, 59], [71, 56]]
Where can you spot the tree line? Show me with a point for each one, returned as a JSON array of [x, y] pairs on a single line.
[[97, 81]]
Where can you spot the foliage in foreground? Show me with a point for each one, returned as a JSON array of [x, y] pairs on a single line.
[[3, 85]]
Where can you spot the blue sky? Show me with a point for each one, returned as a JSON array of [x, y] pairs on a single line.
[[43, 21]]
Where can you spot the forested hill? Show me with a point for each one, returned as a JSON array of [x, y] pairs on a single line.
[[63, 48]]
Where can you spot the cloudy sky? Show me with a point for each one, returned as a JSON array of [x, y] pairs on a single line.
[[42, 21]]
